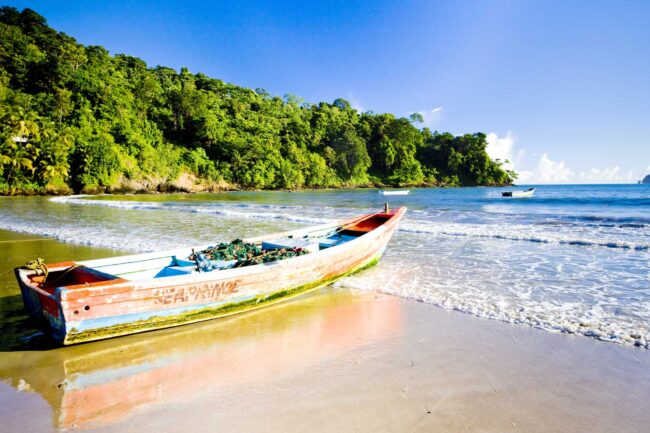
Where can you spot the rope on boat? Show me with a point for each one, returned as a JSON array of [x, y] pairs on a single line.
[[40, 267], [6, 272], [25, 240], [37, 265], [66, 272]]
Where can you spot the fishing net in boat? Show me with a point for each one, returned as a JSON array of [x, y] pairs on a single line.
[[272, 256], [244, 253], [235, 250]]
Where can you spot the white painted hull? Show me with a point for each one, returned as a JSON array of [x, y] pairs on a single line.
[[406, 192]]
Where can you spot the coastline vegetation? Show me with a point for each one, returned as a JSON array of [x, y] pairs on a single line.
[[73, 118]]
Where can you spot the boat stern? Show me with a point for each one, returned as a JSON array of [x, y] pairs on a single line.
[[41, 304]]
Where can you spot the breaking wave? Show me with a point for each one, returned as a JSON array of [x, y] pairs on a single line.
[[526, 233], [595, 236]]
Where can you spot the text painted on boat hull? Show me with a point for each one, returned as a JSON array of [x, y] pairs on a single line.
[[210, 291]]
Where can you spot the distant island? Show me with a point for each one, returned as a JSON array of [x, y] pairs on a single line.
[[646, 180], [76, 119]]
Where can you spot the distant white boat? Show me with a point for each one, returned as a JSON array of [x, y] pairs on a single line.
[[395, 192], [526, 193]]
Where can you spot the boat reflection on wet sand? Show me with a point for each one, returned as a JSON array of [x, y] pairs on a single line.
[[98, 384]]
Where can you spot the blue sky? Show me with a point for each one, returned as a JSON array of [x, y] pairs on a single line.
[[562, 87]]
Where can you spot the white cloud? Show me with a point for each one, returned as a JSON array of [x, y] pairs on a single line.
[[525, 176], [597, 175], [501, 148], [356, 103], [608, 175], [520, 155], [549, 171], [546, 171]]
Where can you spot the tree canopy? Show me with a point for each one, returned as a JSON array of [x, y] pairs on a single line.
[[75, 118]]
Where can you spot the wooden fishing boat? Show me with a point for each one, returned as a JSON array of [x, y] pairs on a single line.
[[97, 299], [395, 192], [526, 193]]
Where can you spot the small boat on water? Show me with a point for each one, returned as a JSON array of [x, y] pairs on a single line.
[[96, 299], [526, 193], [395, 192]]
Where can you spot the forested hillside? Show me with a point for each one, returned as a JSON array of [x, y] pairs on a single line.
[[73, 118]]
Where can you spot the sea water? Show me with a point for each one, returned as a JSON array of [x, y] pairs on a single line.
[[570, 259]]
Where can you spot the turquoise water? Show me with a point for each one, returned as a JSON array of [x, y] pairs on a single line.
[[572, 258]]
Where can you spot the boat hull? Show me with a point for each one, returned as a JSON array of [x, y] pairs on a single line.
[[101, 328], [121, 307], [519, 194], [389, 193]]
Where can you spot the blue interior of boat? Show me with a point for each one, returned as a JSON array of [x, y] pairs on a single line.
[[288, 243], [334, 240], [172, 271], [174, 266]]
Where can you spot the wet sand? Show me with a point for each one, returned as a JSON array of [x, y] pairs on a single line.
[[334, 360]]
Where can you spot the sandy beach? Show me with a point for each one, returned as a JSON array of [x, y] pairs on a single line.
[[333, 360]]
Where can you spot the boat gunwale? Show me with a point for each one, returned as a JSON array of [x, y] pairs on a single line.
[[23, 274], [227, 274]]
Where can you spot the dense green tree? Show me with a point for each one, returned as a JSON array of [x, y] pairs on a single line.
[[350, 160], [75, 117], [416, 118]]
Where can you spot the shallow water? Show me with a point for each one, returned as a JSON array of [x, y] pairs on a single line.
[[573, 258]]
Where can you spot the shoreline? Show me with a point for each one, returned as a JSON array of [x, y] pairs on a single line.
[[586, 328], [236, 188], [361, 361]]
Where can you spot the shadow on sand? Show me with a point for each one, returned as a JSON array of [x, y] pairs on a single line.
[[18, 331]]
